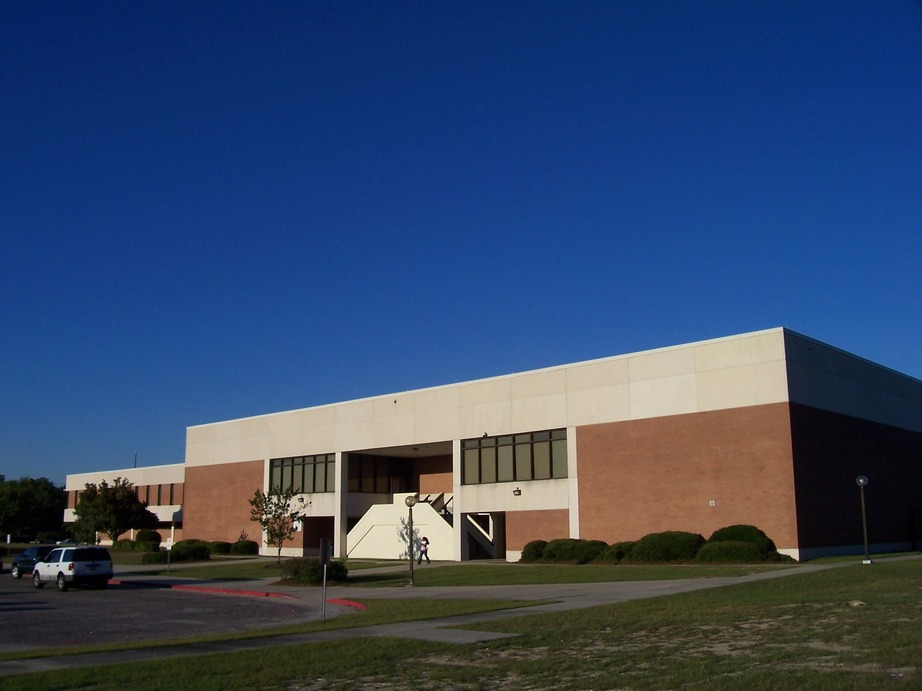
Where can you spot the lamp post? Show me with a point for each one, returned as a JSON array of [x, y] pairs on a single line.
[[862, 482], [410, 501]]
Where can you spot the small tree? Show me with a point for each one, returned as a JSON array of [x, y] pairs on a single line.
[[111, 510], [274, 513]]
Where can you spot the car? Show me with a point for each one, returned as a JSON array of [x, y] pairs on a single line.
[[24, 561], [67, 566]]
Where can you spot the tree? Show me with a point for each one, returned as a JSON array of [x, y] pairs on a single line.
[[30, 506], [274, 513], [111, 510]]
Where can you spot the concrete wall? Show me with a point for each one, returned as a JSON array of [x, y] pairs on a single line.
[[712, 375]]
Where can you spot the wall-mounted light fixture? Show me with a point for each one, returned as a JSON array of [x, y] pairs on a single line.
[[517, 492]]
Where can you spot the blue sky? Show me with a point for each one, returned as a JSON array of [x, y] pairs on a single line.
[[212, 210]]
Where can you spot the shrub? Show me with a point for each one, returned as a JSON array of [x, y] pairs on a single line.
[[245, 547], [310, 571], [220, 547], [668, 546], [122, 546], [157, 557], [728, 552], [148, 540], [589, 550], [616, 552], [560, 550], [534, 550], [190, 550], [745, 533]]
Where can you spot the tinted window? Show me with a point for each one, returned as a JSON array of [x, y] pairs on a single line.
[[92, 554]]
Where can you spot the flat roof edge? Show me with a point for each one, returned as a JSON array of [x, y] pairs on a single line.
[[774, 330]]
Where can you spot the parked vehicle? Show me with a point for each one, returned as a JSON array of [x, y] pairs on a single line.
[[67, 566], [24, 561]]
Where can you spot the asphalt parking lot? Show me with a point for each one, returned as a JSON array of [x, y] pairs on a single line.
[[46, 618]]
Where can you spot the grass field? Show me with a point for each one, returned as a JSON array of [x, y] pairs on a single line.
[[853, 627]]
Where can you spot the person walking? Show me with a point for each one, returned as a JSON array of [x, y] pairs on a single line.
[[423, 550]]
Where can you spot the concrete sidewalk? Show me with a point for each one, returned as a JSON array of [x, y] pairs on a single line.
[[552, 598]]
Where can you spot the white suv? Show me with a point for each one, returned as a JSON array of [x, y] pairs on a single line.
[[67, 566]]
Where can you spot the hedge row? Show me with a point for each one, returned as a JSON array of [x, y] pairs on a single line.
[[199, 550], [733, 544]]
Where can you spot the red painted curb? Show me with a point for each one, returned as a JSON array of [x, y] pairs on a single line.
[[348, 603]]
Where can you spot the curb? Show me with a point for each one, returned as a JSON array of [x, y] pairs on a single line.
[[199, 589]]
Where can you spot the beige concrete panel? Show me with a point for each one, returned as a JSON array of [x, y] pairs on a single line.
[[437, 424], [538, 412], [492, 418], [200, 452], [355, 436], [317, 440], [596, 375], [393, 406], [286, 434], [735, 387], [672, 362], [482, 392], [734, 352], [536, 495], [538, 384], [603, 404], [354, 411], [665, 396], [393, 431], [149, 475], [444, 398]]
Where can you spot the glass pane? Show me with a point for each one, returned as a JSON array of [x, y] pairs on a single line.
[[504, 459], [542, 452], [470, 443], [382, 477], [368, 476], [286, 474], [559, 458], [310, 484], [523, 462], [541, 436], [471, 469], [502, 441], [297, 482], [331, 475], [355, 477], [488, 465], [522, 438], [559, 434]]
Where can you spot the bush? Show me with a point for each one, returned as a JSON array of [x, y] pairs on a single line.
[[245, 547], [745, 533], [560, 550], [123, 546], [616, 552], [589, 550], [148, 540], [310, 571], [572, 551], [728, 552], [534, 551], [157, 557], [668, 546], [191, 550], [220, 547]]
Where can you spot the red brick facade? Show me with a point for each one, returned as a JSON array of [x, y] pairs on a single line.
[[644, 476], [217, 506]]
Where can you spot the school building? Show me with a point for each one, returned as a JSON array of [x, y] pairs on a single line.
[[769, 428]]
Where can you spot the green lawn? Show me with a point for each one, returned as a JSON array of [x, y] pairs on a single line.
[[853, 627]]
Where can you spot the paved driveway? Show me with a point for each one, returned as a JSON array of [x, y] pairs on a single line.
[[46, 618]]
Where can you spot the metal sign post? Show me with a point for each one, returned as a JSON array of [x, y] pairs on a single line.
[[325, 549]]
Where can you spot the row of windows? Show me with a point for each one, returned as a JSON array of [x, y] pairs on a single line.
[[154, 495], [376, 474], [304, 473], [514, 457]]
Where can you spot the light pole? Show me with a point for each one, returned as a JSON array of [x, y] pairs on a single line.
[[862, 482], [410, 501]]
